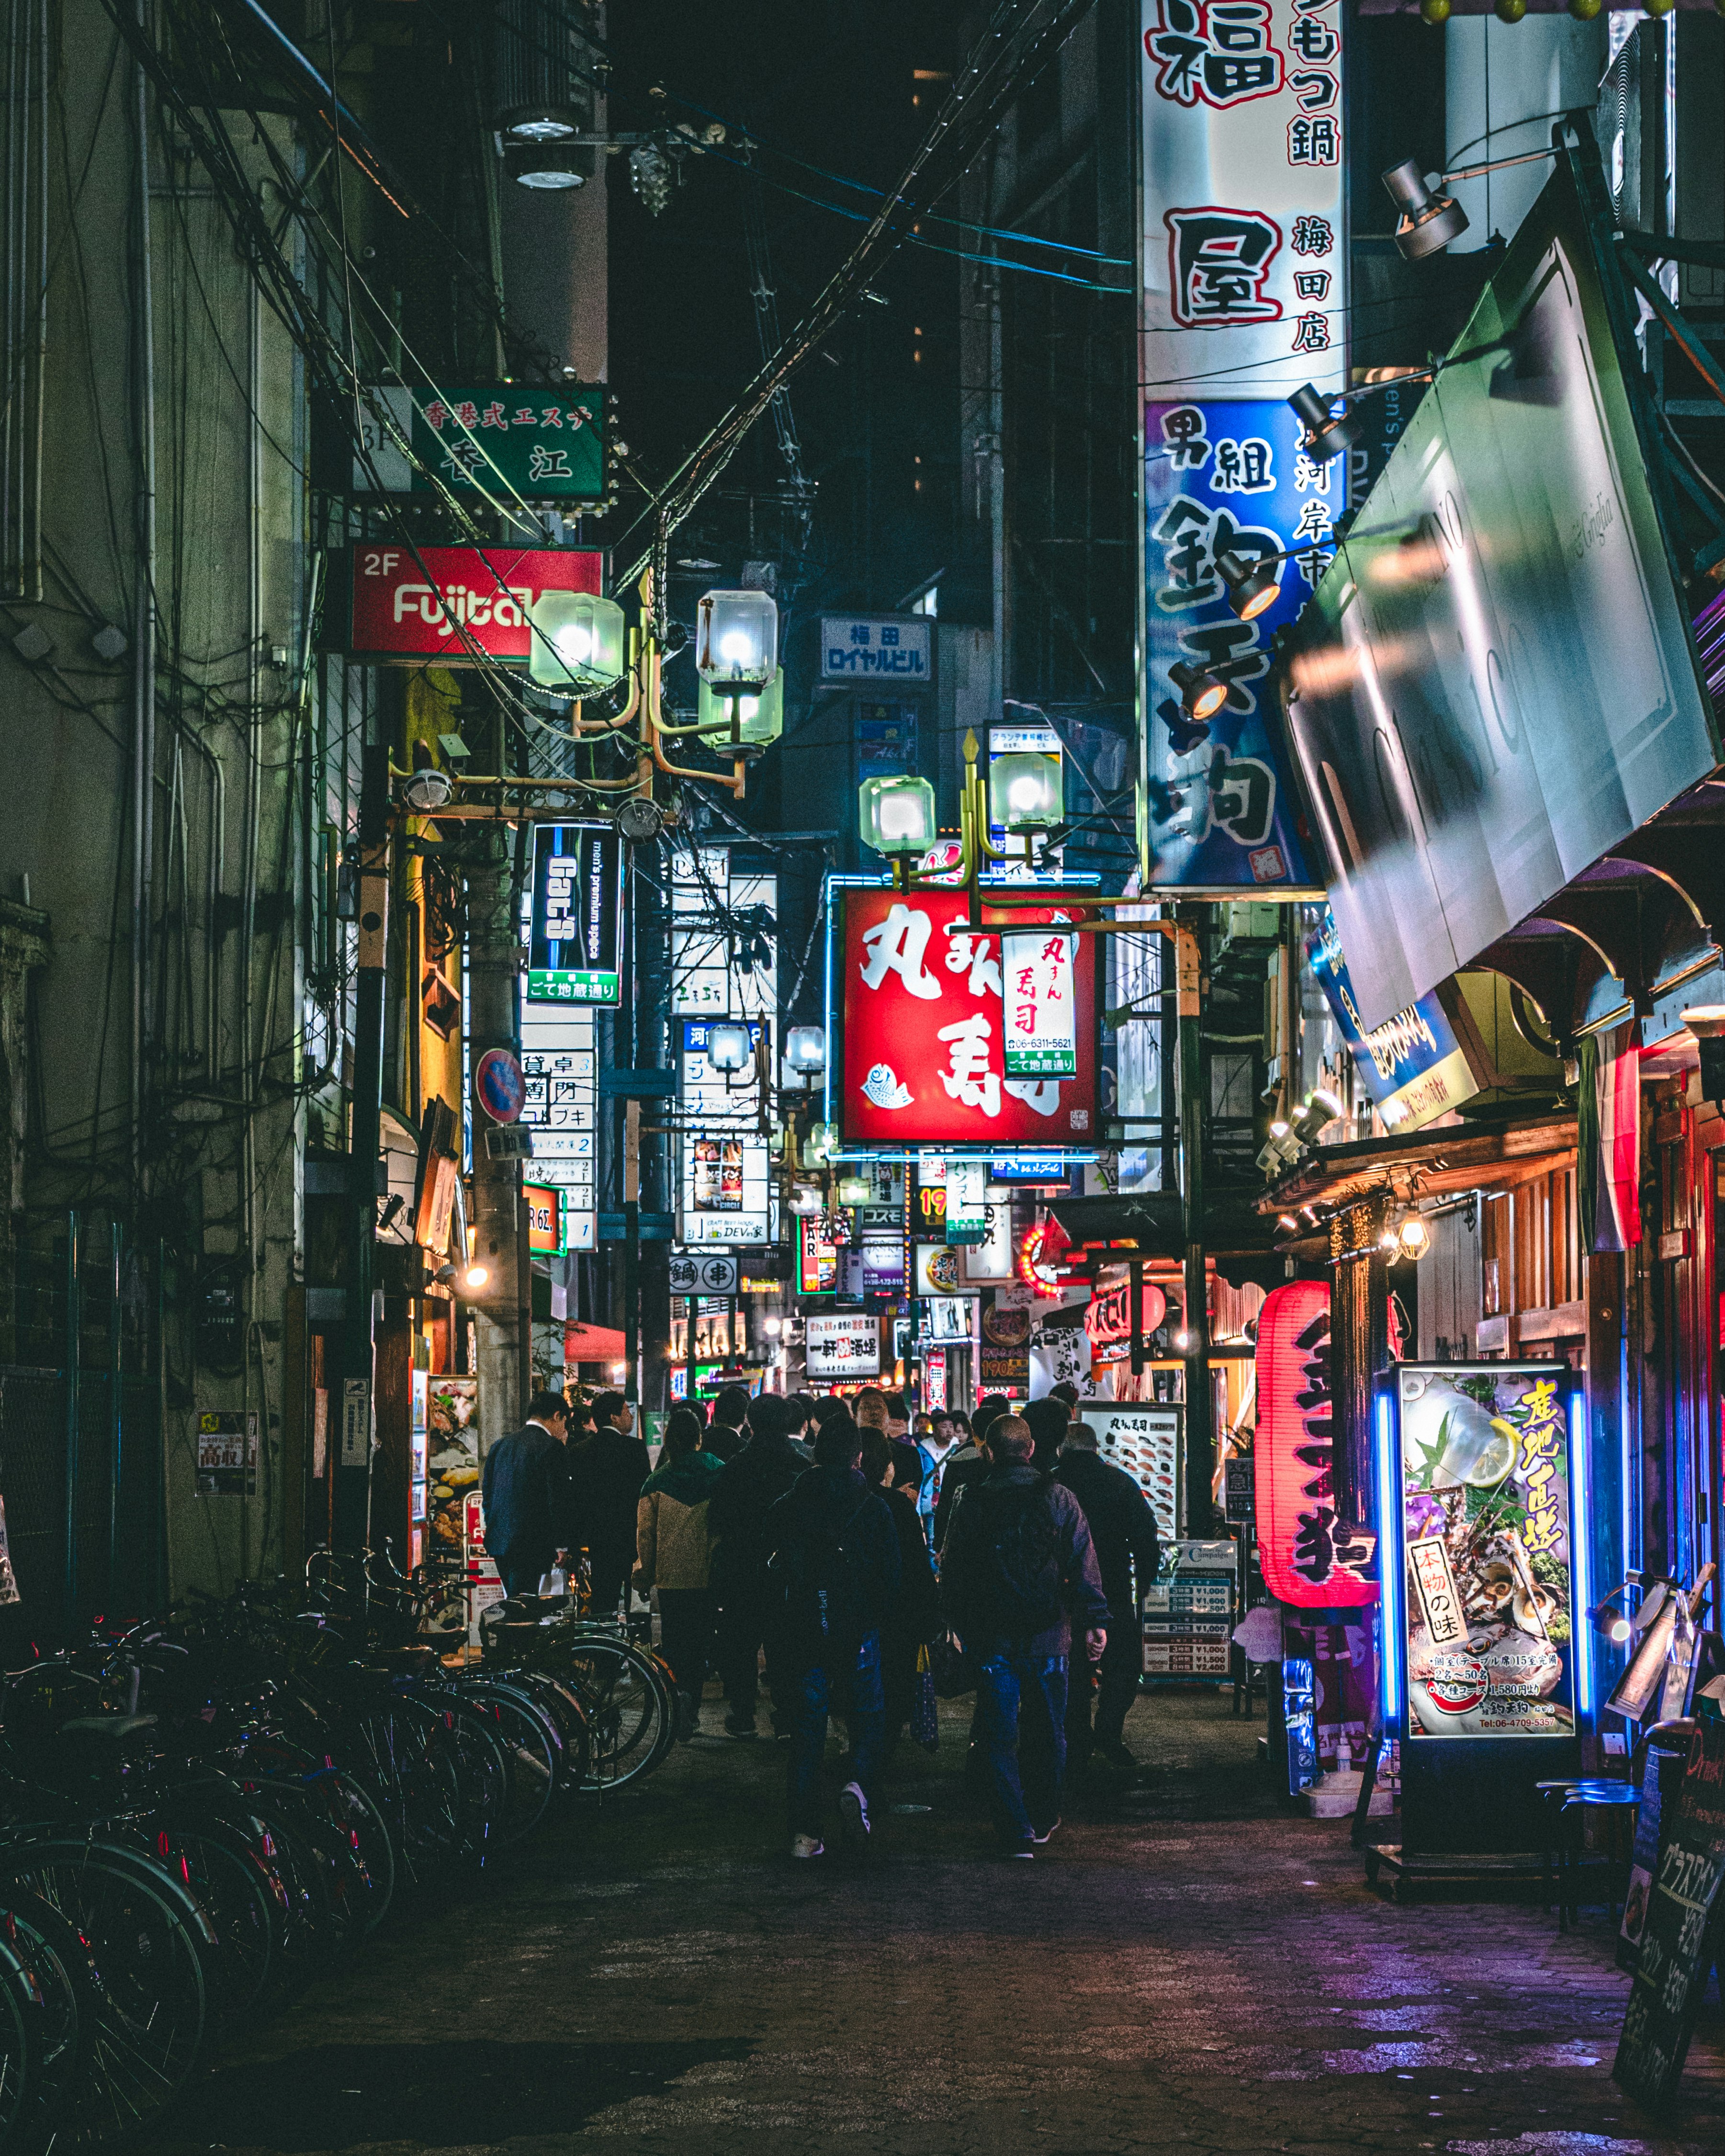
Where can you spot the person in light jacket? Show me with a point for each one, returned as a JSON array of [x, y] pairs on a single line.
[[673, 1553]]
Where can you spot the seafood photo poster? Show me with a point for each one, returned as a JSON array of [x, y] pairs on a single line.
[[1486, 1515]]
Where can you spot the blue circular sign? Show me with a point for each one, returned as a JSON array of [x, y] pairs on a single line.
[[499, 1084]]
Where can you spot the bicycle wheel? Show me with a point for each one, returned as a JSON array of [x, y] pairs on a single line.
[[404, 1758], [533, 1746], [243, 1897], [23, 2033], [150, 2016], [482, 1762], [562, 1701], [66, 1977], [628, 1705]]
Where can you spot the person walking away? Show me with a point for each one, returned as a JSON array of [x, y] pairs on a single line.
[[967, 1464], [745, 1491], [725, 1435], [834, 1568], [524, 1488], [606, 1472], [1048, 1419], [896, 1470], [1122, 1531], [1017, 1571], [674, 1557]]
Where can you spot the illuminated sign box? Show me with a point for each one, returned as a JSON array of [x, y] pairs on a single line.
[[575, 955], [457, 606]]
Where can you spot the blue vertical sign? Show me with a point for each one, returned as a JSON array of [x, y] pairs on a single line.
[[1221, 811]]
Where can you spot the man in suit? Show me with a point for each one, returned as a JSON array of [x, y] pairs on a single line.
[[525, 1489], [1122, 1529], [607, 1470]]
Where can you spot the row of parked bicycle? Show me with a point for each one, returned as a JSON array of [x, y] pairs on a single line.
[[199, 1815]]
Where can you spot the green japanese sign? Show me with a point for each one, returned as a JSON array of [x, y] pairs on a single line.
[[538, 444]]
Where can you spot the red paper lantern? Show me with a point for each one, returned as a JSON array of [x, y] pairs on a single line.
[[1310, 1559]]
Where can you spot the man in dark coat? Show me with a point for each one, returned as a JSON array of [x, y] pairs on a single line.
[[835, 1563], [1122, 1528], [606, 1473], [725, 1435], [970, 1463], [1017, 1572], [525, 1490], [749, 1484], [914, 1620]]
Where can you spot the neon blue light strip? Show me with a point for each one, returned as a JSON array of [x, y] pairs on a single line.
[[1581, 1557], [1392, 1565]]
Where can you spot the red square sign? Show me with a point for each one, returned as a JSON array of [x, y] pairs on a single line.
[[925, 1019], [444, 602]]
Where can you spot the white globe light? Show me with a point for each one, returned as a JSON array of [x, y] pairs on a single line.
[[574, 645], [1024, 792]]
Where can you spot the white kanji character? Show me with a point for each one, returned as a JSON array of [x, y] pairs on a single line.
[[1308, 475], [1042, 1095], [965, 950], [970, 1080], [896, 945]]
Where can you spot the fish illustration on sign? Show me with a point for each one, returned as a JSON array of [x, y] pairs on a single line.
[[884, 1088]]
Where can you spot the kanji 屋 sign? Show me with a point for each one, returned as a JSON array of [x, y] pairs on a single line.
[[926, 1017], [534, 444], [396, 606]]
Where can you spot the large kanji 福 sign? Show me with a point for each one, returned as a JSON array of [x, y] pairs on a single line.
[[928, 1016]]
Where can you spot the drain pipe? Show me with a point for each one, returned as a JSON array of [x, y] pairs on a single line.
[[143, 832]]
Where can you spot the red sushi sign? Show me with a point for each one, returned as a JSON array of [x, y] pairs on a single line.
[[1311, 1558], [925, 1027], [456, 605]]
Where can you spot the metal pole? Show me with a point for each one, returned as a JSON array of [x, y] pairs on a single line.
[[351, 1511], [494, 1021], [1135, 1318], [632, 1250], [1199, 1417], [143, 627], [115, 1356], [73, 1329]]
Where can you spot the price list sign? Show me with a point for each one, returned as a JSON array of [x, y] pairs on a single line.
[[1682, 1933]]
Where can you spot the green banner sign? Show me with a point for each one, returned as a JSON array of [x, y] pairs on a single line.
[[532, 445]]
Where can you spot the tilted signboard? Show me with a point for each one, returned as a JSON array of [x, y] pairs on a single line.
[[1413, 1066], [1497, 681], [513, 443], [927, 1013], [459, 606]]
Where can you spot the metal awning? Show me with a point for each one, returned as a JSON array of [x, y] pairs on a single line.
[[1427, 1164]]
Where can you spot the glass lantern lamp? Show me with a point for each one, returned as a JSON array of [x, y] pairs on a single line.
[[727, 1048], [1026, 790], [760, 712], [576, 645], [805, 1050], [896, 815], [737, 640]]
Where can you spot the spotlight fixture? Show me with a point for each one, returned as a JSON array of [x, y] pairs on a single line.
[[472, 1277], [1426, 221], [1327, 433], [1253, 585], [1414, 1237], [1620, 1626], [1202, 695]]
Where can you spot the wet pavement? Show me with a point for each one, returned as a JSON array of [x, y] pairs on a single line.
[[1186, 1966]]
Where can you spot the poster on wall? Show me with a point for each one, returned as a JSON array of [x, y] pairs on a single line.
[[925, 1013], [1485, 1524], [1143, 1438]]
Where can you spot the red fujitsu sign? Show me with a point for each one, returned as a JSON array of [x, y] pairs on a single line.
[[925, 1023], [441, 602]]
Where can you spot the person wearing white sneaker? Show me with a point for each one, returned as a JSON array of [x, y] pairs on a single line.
[[853, 1815], [806, 1845]]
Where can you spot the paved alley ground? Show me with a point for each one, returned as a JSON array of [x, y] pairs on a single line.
[[1186, 1967]]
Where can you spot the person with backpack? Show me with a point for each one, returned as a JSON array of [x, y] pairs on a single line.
[[1017, 1572], [1123, 1529], [746, 1491], [834, 1569]]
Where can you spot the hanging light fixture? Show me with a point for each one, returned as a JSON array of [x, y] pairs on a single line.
[[759, 712], [1201, 693], [896, 815], [1327, 433], [1026, 790], [1426, 221], [728, 1048], [1252, 585]]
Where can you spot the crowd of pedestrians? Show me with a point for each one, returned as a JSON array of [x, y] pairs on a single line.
[[829, 1548]]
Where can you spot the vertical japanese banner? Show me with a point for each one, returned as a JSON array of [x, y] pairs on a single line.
[[1245, 250], [1041, 1034]]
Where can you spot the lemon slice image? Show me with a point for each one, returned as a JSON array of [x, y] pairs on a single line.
[[1497, 1457]]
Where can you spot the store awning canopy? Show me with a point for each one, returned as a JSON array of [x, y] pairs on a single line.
[[594, 1343], [1426, 1163]]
